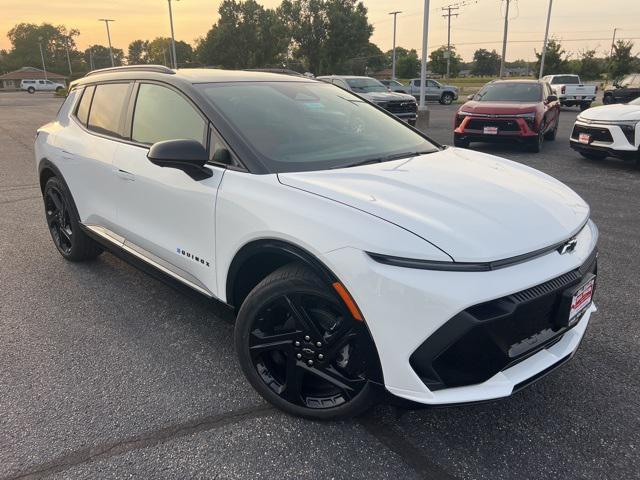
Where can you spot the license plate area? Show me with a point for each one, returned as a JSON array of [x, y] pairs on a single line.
[[575, 301], [584, 138], [490, 130]]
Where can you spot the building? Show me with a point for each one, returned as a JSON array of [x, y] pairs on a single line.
[[11, 80]]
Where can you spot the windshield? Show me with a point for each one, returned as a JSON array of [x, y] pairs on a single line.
[[635, 102], [626, 81], [510, 92], [302, 126], [566, 80], [365, 85]]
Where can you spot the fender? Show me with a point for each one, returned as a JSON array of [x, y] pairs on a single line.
[[46, 170]]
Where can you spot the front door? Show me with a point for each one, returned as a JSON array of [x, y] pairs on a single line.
[[164, 215]]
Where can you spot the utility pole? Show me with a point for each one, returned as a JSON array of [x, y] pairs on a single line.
[[448, 15], [546, 36], [173, 39], [613, 42], [106, 22], [91, 57], [44, 67], [504, 39], [66, 46], [423, 67], [393, 64]]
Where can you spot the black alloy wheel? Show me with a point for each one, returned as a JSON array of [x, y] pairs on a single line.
[[58, 219], [301, 348]]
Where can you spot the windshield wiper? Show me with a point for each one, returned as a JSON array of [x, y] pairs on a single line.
[[387, 158]]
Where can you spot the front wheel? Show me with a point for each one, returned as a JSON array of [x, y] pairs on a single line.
[[302, 350], [446, 99], [31, 90], [608, 99], [460, 142], [551, 134], [536, 144]]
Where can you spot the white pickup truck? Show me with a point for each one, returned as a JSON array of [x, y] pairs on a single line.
[[571, 91]]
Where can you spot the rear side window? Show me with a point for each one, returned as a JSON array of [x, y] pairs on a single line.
[[107, 108], [163, 114], [85, 102]]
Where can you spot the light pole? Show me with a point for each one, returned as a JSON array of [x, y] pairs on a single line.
[[546, 36], [613, 42], [393, 62], [504, 40], [90, 57], [423, 68], [106, 22], [44, 67], [66, 46], [173, 39]]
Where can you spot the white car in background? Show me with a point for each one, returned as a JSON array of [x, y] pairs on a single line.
[[610, 130], [33, 86]]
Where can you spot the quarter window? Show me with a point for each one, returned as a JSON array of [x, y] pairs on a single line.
[[85, 102], [162, 114], [107, 107]]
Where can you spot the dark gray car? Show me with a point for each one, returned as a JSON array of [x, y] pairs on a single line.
[[402, 105]]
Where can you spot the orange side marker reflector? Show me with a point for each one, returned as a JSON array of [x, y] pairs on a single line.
[[348, 301]]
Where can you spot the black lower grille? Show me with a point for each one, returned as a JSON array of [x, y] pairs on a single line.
[[400, 106], [504, 125], [598, 134], [489, 337]]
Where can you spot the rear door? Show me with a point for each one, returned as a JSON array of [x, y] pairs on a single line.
[[86, 148], [165, 215]]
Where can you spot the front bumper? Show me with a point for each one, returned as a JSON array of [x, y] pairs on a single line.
[[508, 128], [405, 307], [608, 138]]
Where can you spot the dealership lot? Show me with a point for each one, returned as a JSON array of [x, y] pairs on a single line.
[[106, 372]]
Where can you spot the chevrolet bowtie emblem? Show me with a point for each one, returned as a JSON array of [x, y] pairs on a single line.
[[568, 247]]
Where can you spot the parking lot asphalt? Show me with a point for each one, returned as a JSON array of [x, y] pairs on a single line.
[[105, 372]]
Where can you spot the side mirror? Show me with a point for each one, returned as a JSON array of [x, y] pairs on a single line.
[[552, 98], [470, 97], [186, 155]]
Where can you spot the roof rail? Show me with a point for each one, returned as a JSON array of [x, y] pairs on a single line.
[[135, 68]]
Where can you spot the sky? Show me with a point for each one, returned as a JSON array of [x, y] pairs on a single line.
[[579, 24]]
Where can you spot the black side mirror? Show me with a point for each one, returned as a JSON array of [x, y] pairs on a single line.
[[186, 155], [552, 98]]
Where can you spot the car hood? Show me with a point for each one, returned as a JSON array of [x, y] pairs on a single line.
[[612, 113], [387, 96], [474, 206], [496, 108]]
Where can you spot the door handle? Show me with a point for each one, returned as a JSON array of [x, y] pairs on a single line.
[[124, 175]]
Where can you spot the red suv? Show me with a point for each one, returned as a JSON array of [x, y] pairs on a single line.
[[509, 110]]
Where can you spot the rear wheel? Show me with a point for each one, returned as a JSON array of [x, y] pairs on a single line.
[[446, 99], [72, 243], [301, 349]]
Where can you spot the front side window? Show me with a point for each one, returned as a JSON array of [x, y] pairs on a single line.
[[303, 126], [510, 92], [432, 84], [163, 114], [107, 108], [340, 83], [85, 102], [365, 85]]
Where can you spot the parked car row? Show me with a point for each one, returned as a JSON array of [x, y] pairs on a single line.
[[434, 91]]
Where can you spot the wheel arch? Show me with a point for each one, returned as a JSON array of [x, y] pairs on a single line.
[[48, 170], [258, 258]]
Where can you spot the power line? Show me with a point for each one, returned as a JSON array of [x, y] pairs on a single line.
[[450, 9], [393, 67]]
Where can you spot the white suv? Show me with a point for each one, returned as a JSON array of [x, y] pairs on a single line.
[[33, 86], [360, 255]]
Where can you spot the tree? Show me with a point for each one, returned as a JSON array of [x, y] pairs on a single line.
[[99, 55], [159, 52], [438, 61], [138, 52], [326, 35], [485, 63], [246, 36], [25, 39], [590, 67], [370, 59], [408, 66], [553, 61], [621, 61]]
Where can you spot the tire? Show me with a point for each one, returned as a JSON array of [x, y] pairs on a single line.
[[584, 106], [551, 134], [59, 89], [320, 365], [31, 90], [536, 144], [64, 225], [412, 123], [446, 99], [608, 99], [594, 155], [460, 142]]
